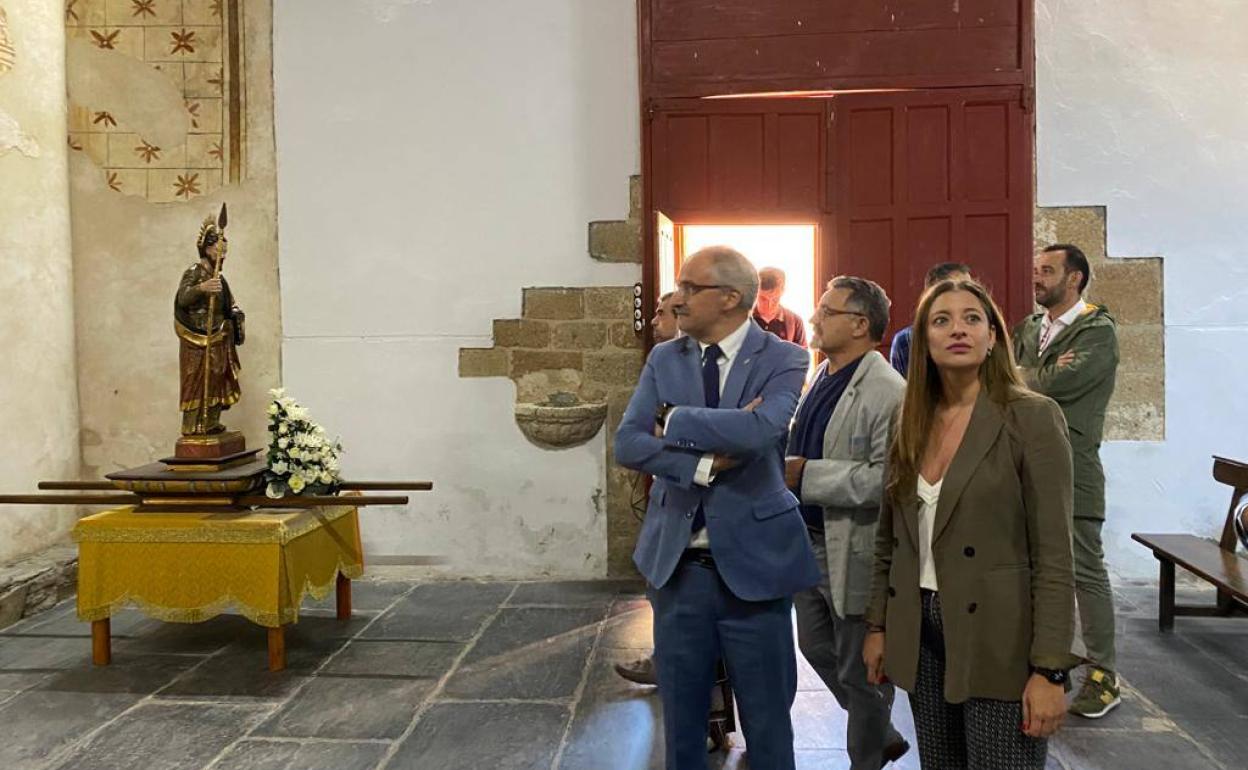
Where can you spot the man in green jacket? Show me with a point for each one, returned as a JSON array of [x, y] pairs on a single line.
[[1070, 354]]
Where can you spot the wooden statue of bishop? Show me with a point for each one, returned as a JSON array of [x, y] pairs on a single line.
[[210, 327]]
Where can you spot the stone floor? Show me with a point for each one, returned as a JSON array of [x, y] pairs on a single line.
[[504, 675]]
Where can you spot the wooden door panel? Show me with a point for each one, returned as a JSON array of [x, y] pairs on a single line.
[[728, 159], [932, 176]]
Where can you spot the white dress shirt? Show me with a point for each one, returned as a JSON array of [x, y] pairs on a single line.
[[729, 347], [1051, 327], [929, 496]]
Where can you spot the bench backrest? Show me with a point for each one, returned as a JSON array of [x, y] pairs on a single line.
[[1234, 474]]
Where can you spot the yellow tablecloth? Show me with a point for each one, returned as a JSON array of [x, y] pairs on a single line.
[[189, 567]]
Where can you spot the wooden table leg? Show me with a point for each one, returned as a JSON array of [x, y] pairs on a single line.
[[277, 648], [1165, 596], [101, 643], [344, 597]]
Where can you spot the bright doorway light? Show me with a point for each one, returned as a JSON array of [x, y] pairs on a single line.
[[788, 247]]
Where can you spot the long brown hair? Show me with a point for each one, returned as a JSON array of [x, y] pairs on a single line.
[[997, 375]]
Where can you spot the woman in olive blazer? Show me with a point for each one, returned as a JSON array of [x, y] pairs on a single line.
[[972, 600]]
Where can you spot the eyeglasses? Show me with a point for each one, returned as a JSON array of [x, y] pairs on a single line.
[[688, 288], [829, 312]]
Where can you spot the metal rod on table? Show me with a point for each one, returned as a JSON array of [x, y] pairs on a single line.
[[310, 501], [82, 486], [378, 486], [121, 499]]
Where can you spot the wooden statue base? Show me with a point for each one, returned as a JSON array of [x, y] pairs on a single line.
[[210, 465], [166, 487], [214, 446]]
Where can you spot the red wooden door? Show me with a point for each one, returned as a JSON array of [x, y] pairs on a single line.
[[920, 177], [737, 160]]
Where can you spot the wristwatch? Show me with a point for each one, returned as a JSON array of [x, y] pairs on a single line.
[[1053, 675], [660, 414]]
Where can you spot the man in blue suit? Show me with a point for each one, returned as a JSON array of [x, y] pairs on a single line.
[[723, 547]]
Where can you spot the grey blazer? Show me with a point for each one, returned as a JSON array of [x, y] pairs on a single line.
[[848, 481]]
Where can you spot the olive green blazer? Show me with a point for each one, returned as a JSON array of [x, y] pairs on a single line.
[[1002, 548]]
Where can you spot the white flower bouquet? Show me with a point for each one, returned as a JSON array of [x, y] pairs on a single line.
[[301, 460]]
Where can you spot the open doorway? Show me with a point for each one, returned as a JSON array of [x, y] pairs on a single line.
[[790, 248], [793, 248]]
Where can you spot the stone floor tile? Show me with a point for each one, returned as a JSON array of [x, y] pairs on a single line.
[[375, 657], [164, 737], [366, 595], [440, 612], [240, 677], [572, 593], [38, 724], [608, 703], [473, 736], [349, 708], [529, 653], [1128, 750], [288, 755]]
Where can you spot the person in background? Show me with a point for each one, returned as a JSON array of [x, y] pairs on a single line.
[[835, 465], [973, 598], [899, 353], [664, 321], [1069, 353], [770, 314]]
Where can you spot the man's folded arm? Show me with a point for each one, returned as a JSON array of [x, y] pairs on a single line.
[[739, 433], [638, 448]]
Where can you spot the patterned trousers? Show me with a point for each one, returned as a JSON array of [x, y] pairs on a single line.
[[980, 734]]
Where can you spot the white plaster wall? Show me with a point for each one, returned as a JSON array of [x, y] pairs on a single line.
[[38, 384], [1140, 107], [433, 158]]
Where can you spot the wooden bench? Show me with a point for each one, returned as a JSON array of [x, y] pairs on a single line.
[[1213, 561]]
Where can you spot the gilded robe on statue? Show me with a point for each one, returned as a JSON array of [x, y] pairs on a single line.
[[192, 325]]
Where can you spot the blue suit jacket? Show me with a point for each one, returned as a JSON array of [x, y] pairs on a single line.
[[758, 538]]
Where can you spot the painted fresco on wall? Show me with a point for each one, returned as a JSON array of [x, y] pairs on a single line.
[[196, 47], [7, 53]]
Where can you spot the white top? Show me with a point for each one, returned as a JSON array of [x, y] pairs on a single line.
[[1051, 327], [929, 496]]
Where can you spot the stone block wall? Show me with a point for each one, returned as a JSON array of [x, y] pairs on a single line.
[[579, 341], [1132, 290]]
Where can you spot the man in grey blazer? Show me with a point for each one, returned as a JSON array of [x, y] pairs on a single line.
[[835, 465]]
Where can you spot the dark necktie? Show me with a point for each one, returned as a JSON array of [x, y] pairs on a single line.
[[710, 390], [710, 375]]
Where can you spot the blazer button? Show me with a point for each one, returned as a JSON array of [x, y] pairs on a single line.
[[971, 608], [968, 552], [689, 515], [892, 591]]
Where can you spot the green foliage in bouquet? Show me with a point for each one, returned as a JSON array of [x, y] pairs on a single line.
[[301, 460]]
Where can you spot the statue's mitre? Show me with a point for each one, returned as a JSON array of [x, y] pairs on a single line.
[[211, 231]]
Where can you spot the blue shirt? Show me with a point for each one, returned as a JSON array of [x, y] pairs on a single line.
[[806, 438], [899, 354]]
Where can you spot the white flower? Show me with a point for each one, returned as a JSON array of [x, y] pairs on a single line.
[[283, 429], [282, 443], [273, 409], [296, 483], [273, 490], [295, 454], [280, 467], [277, 392], [326, 477]]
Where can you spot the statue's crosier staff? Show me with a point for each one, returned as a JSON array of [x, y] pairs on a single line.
[[212, 311]]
